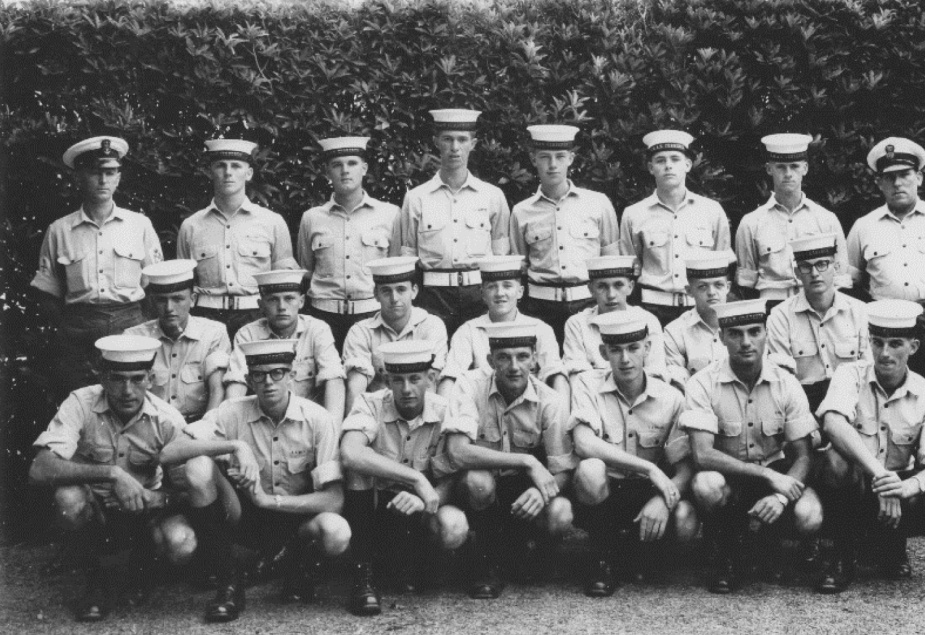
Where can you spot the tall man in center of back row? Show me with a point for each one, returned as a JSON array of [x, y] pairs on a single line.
[[450, 221]]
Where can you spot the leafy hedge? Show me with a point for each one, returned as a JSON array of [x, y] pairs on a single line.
[[728, 71]]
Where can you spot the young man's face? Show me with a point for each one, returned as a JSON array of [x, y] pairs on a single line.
[[552, 166], [408, 390], [787, 176], [98, 184], [230, 176], [512, 367], [173, 308], [454, 147], [281, 309], [501, 296], [125, 391], [610, 293], [395, 299], [270, 390], [891, 354], [346, 174], [670, 168], [708, 291], [626, 360], [814, 280], [745, 343], [900, 188]]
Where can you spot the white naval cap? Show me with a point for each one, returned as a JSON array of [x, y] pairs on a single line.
[[455, 118], [816, 246], [660, 140], [893, 318], [786, 146], [510, 334], [239, 149], [553, 137], [127, 352], [280, 280], [501, 268], [271, 351], [612, 267], [168, 276], [741, 312], [343, 147], [100, 152], [703, 263], [894, 154], [393, 269], [407, 356], [622, 327]]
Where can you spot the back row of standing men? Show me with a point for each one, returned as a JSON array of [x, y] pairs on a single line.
[[451, 225]]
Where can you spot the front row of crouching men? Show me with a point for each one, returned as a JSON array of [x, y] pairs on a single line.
[[502, 463]]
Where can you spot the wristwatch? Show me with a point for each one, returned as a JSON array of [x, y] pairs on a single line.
[[783, 499]]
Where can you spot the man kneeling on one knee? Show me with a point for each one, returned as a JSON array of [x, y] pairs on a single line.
[[398, 484], [624, 425], [742, 413], [873, 413], [507, 431], [264, 469]]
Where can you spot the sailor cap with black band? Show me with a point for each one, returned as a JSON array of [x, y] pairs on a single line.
[[510, 334], [703, 263], [661, 140], [393, 269], [271, 351], [786, 146], [501, 268], [343, 147], [407, 356], [612, 267], [231, 149], [97, 152], [455, 119], [127, 352], [168, 276], [894, 154], [893, 318], [280, 281], [741, 312], [809, 247], [552, 137], [622, 327]]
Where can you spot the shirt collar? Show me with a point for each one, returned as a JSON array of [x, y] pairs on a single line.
[[418, 315], [886, 213], [655, 201], [82, 217], [539, 196], [193, 330], [694, 320], [247, 206], [333, 205], [772, 204], [911, 384], [301, 326], [471, 182], [727, 376], [610, 385], [429, 416], [801, 303], [147, 408], [293, 411], [529, 394]]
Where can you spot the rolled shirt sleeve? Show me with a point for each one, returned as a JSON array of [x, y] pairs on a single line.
[[362, 418], [327, 454], [698, 413], [326, 357], [560, 454], [584, 410], [746, 254], [798, 420], [843, 393], [63, 433], [358, 354], [462, 415]]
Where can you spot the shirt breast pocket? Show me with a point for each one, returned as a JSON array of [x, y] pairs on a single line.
[[76, 270], [305, 375], [866, 425], [489, 435], [700, 237], [143, 463], [846, 351], [207, 264], [525, 438], [770, 247], [539, 241], [254, 252], [101, 455], [375, 243], [875, 250], [478, 241], [193, 384], [805, 353], [128, 265], [322, 244]]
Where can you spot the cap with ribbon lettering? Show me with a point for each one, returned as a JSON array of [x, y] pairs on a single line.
[[343, 147], [407, 356], [703, 263], [97, 152], [269, 351], [127, 352], [510, 334], [741, 312], [553, 137], [169, 276], [661, 140], [894, 154], [786, 146], [231, 149], [893, 318], [280, 280], [817, 246], [455, 119], [394, 269], [622, 327], [612, 267], [501, 268]]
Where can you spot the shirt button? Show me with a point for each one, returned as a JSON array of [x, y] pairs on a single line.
[[883, 428], [630, 412], [404, 460], [630, 435], [348, 277], [228, 226], [101, 271], [751, 445], [886, 405], [174, 355], [276, 438], [822, 346], [408, 438], [455, 240], [102, 290], [275, 462], [906, 284], [174, 376], [227, 246], [276, 484], [481, 436], [455, 220], [559, 228], [227, 266], [347, 257], [101, 233], [121, 455], [750, 424], [101, 251], [560, 248]]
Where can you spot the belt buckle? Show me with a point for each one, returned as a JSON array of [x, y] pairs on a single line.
[[678, 299], [228, 302], [348, 307], [562, 292], [459, 278]]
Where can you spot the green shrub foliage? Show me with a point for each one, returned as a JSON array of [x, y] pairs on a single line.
[[166, 78]]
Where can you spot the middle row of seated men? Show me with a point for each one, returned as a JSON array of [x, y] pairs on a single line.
[[664, 431]]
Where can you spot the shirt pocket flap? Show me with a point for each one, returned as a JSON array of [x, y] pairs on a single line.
[[700, 237], [191, 374], [376, 238], [478, 219], [588, 229], [298, 464], [866, 425], [537, 233], [524, 438], [100, 455], [770, 244], [203, 251], [655, 238], [876, 250], [321, 241], [132, 252], [804, 348], [254, 248], [71, 257], [141, 458], [490, 433], [904, 437], [161, 377], [652, 438], [846, 350], [730, 428], [772, 426], [304, 369]]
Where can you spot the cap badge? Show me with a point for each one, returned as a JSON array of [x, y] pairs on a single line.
[[889, 152]]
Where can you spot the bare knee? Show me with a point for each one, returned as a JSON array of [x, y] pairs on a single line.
[[590, 482], [479, 488], [175, 540], [559, 516], [686, 523], [73, 508], [709, 489], [200, 474], [450, 527], [330, 531], [807, 513]]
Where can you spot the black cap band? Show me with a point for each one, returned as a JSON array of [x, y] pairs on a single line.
[[625, 338], [511, 274], [270, 358], [780, 157], [884, 331], [553, 145], [511, 342], [739, 320], [700, 274], [395, 277], [231, 155], [327, 155], [108, 364], [416, 367], [661, 147], [809, 254], [615, 272], [465, 126], [154, 288], [280, 287], [897, 158]]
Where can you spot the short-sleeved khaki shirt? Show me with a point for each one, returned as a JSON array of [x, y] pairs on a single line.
[[582, 346], [691, 344]]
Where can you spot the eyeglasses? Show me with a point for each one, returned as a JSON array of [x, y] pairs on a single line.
[[820, 266], [260, 376]]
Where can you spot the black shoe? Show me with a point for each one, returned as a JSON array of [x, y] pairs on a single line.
[[898, 568], [809, 558], [95, 606], [835, 577], [601, 583], [228, 603], [266, 567], [487, 584], [724, 579], [364, 598]]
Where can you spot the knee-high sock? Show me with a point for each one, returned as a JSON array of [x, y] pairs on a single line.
[[360, 512], [213, 531]]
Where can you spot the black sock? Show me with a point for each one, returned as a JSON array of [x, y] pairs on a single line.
[[213, 532], [359, 512]]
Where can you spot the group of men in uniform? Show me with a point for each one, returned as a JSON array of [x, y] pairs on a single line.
[[463, 373]]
